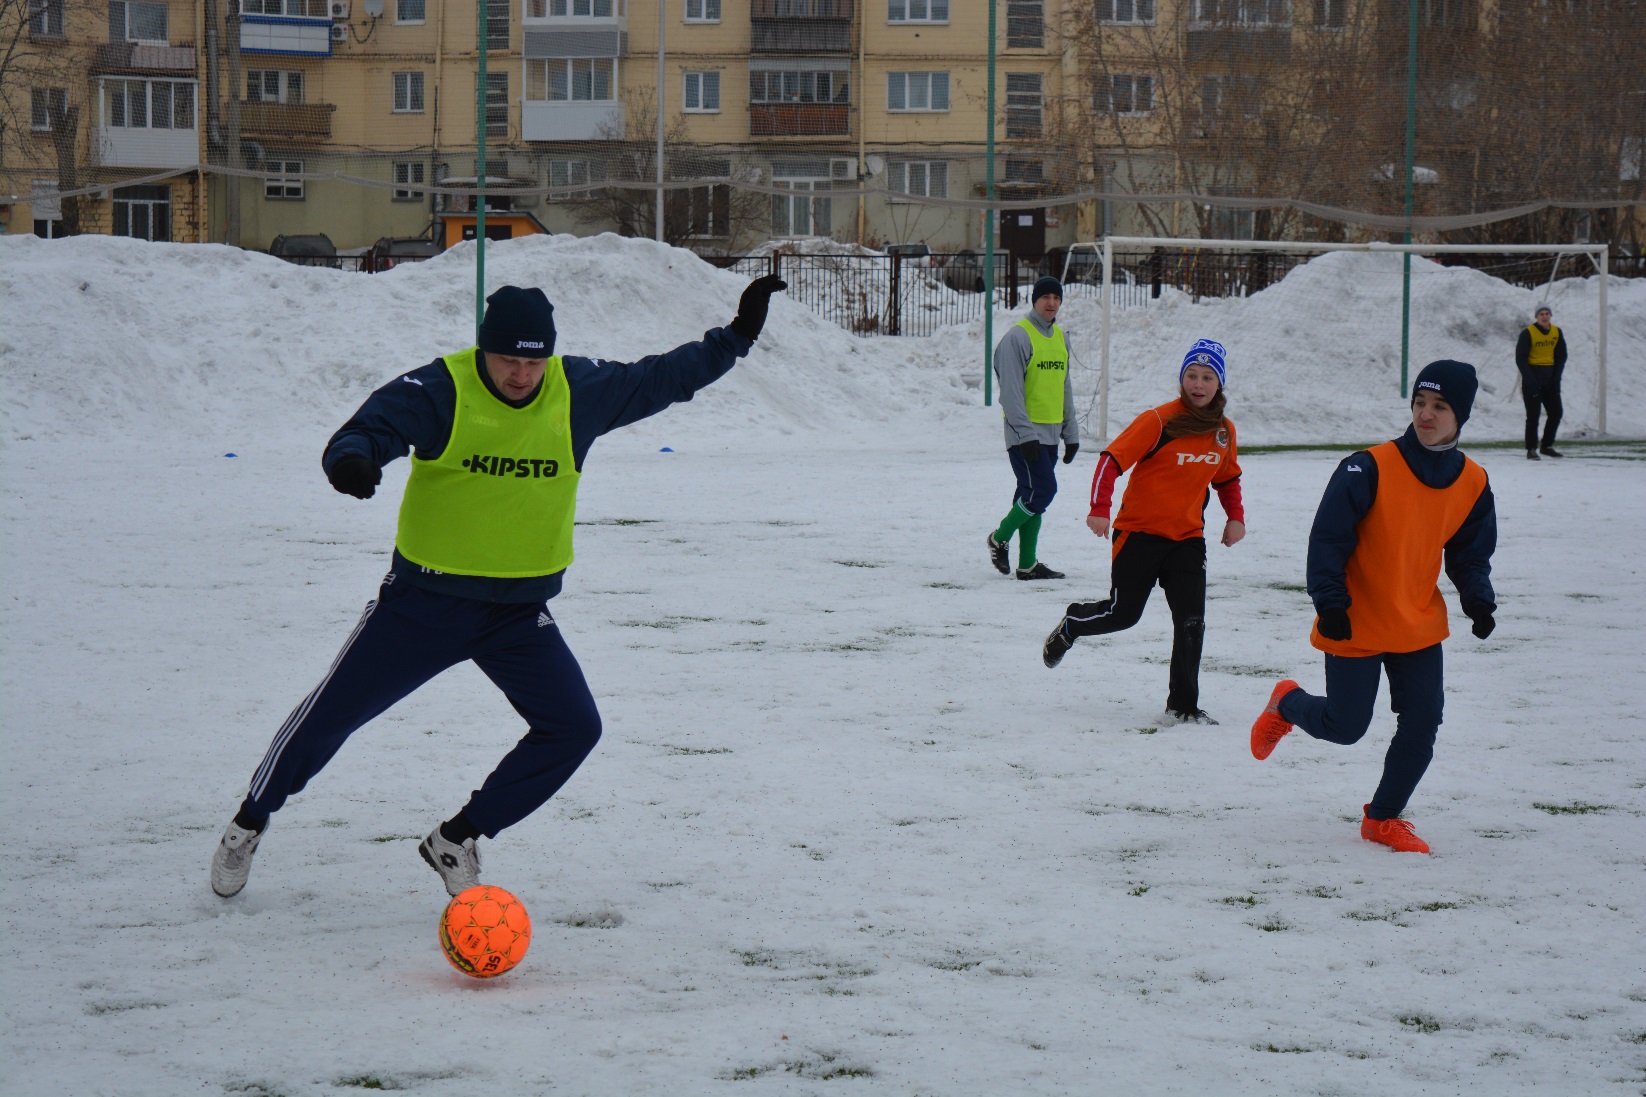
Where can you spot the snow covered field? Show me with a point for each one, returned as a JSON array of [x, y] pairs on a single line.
[[844, 833]]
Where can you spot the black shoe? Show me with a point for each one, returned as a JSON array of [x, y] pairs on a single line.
[[1550, 451], [998, 555], [1531, 455], [1193, 716], [1039, 571], [1057, 645]]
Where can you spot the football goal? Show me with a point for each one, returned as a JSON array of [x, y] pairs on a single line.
[[1128, 283]]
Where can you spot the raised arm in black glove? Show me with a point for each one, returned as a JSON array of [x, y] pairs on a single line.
[[751, 310], [1483, 622], [356, 475], [1030, 450], [1069, 450], [1334, 624]]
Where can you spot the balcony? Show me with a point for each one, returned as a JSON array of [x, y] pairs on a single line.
[[801, 26], [279, 34], [141, 147], [131, 58], [799, 119], [1226, 43], [573, 121], [286, 120]]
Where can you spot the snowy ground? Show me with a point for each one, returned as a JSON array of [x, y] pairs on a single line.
[[844, 832]]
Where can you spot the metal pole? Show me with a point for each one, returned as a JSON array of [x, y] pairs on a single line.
[[1411, 153], [1604, 263], [1103, 370], [662, 10], [480, 176], [988, 231]]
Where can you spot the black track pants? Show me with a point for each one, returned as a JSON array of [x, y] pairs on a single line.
[[1141, 561], [1546, 400]]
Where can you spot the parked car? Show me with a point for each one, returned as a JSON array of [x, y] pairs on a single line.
[[314, 250], [963, 271], [390, 251], [909, 251]]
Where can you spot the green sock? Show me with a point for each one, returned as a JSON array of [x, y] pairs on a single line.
[[1028, 539], [1015, 519]]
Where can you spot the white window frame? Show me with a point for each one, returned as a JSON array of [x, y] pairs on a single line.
[[1243, 13], [40, 103], [701, 11], [806, 191], [1023, 104], [917, 11], [287, 9], [283, 85], [402, 6], [1330, 15], [574, 173], [900, 176], [46, 20], [106, 94], [575, 9], [802, 88], [701, 86], [1103, 102], [403, 99], [409, 174], [286, 185], [1126, 13], [900, 87], [541, 73]]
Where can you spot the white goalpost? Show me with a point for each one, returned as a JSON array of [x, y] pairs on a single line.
[[1105, 250]]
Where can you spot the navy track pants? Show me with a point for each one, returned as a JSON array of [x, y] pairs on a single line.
[[406, 637], [1037, 480], [1417, 695]]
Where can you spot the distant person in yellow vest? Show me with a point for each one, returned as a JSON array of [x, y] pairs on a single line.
[[1540, 355], [1031, 364], [497, 436]]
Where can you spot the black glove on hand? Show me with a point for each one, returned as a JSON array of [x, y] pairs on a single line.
[[1334, 624], [1483, 623], [356, 475], [751, 309], [1030, 451], [1069, 450]]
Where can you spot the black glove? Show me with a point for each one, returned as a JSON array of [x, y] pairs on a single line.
[[356, 475], [1069, 450], [751, 309], [1334, 624], [1483, 623], [1030, 451]]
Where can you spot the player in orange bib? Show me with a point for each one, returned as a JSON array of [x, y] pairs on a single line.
[[1178, 453], [1388, 519]]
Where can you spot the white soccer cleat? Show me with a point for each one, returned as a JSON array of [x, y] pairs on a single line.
[[458, 865], [231, 864]]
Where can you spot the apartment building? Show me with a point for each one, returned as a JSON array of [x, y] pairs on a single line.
[[106, 96]]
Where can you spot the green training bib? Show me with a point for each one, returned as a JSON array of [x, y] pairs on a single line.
[[1043, 383]]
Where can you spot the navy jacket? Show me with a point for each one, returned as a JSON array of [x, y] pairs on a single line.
[[413, 413], [1349, 495]]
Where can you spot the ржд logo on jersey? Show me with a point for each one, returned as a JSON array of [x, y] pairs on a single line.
[[535, 468], [1197, 458]]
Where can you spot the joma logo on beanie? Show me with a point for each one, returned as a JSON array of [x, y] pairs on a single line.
[[526, 344], [533, 468]]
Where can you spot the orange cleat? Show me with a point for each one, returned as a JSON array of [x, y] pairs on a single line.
[[1271, 727], [1397, 834]]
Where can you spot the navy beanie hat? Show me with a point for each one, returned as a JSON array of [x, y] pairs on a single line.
[[1044, 285], [519, 322], [1456, 383], [1205, 352]]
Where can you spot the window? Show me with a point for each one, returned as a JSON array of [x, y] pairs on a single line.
[[702, 93], [701, 211], [799, 87], [1229, 97], [1125, 11], [143, 212], [409, 11], [801, 212], [1331, 14], [1125, 93], [406, 174], [131, 21], [284, 179], [1025, 24], [1023, 103], [1025, 172], [149, 104], [497, 103], [599, 9], [702, 11], [919, 178], [296, 9], [46, 18], [497, 24], [1246, 13], [45, 104], [1448, 14], [578, 79], [408, 92], [273, 86], [917, 11], [48, 209], [917, 91], [575, 173]]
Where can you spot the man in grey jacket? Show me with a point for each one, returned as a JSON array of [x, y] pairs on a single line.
[[1031, 364]]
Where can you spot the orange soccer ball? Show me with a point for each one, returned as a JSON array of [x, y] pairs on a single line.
[[485, 931]]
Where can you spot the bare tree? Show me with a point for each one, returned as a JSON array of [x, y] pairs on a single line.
[[43, 89]]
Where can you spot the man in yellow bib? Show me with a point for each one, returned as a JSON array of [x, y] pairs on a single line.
[[1031, 363], [497, 436], [1540, 355]]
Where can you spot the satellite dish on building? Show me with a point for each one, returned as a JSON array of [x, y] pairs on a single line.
[[373, 8], [875, 164]]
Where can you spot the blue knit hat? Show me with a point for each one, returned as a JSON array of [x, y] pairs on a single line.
[[519, 322], [1205, 352], [1456, 383]]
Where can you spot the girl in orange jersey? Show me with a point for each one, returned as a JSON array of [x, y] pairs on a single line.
[[1178, 452], [1388, 519]]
